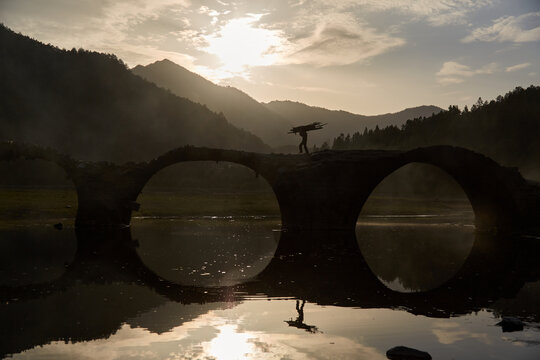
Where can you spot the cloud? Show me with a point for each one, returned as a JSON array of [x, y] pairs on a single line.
[[454, 73], [524, 28], [435, 12], [328, 39], [339, 44], [318, 33], [105, 25], [517, 67], [450, 80], [222, 38]]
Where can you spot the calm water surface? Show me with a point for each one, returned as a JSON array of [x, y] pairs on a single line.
[[238, 288]]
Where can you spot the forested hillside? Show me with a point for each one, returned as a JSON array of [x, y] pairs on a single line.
[[90, 105], [506, 129]]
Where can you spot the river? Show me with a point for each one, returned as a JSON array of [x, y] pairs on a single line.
[[240, 288]]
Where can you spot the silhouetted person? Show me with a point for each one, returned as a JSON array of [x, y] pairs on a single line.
[[299, 322], [302, 131], [303, 134]]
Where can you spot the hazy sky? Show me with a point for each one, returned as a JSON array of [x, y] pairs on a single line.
[[364, 56]]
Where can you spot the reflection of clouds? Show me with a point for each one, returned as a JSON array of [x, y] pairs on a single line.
[[448, 332], [255, 330], [229, 344], [313, 346], [221, 334]]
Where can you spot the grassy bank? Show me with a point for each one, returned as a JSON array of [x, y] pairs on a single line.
[[207, 203], [50, 206]]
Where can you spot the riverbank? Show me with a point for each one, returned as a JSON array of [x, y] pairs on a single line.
[[51, 206]]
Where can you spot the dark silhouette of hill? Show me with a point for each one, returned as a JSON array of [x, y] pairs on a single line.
[[505, 129], [340, 121], [238, 107], [92, 106]]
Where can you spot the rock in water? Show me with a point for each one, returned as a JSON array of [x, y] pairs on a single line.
[[58, 226], [510, 324], [405, 353]]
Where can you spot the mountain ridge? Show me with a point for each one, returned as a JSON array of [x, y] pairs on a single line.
[[270, 121]]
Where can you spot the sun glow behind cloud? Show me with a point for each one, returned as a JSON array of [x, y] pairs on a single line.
[[240, 44]]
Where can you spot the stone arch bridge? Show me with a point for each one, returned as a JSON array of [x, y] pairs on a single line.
[[323, 191]]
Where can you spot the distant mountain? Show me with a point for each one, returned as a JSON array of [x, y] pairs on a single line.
[[238, 107], [269, 121], [92, 106], [340, 121]]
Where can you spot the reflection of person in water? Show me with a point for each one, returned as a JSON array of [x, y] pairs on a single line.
[[299, 322], [303, 134]]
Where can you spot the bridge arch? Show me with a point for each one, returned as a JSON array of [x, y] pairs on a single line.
[[10, 151], [490, 188], [260, 164], [326, 190], [33, 167]]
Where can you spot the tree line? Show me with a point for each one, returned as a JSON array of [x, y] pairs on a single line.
[[506, 129]]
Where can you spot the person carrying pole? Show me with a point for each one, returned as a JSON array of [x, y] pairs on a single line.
[[302, 131]]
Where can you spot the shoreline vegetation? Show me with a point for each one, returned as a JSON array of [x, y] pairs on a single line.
[[48, 206]]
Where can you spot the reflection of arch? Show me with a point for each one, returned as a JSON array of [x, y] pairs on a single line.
[[341, 278], [495, 268], [206, 253], [318, 274], [491, 189]]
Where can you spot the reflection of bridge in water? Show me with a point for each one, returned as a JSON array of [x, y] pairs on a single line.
[[341, 277], [324, 191]]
